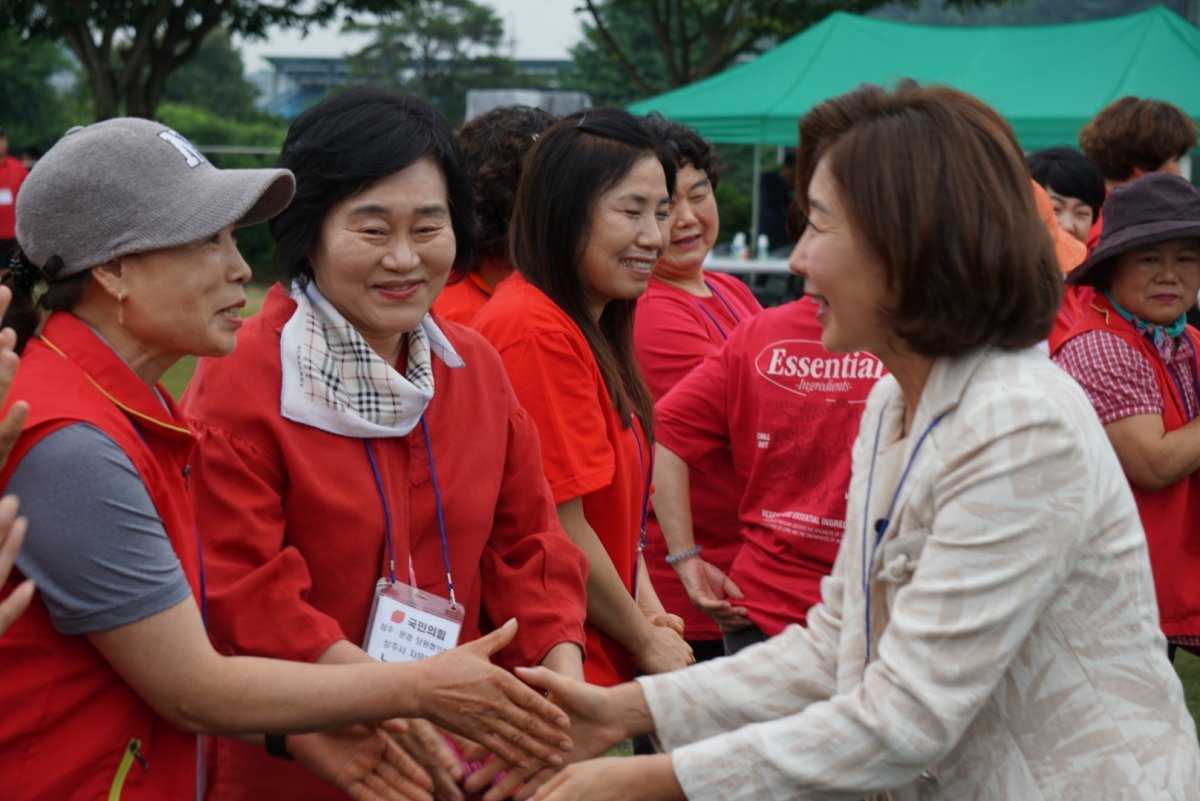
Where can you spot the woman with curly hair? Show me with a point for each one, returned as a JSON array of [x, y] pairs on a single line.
[[493, 148]]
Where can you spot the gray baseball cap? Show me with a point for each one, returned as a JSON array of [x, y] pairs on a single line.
[[131, 185]]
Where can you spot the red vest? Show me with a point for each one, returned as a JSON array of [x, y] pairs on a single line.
[[1171, 515], [70, 727]]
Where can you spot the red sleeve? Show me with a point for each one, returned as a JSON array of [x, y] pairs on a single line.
[[530, 568], [692, 420], [670, 338], [257, 589], [557, 386]]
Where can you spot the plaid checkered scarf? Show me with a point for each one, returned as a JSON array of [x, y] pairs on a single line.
[[334, 381]]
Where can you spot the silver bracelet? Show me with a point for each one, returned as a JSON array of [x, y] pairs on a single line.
[[682, 556]]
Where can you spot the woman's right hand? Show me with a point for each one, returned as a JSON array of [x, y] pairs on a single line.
[[661, 648], [463, 692], [710, 591], [597, 726]]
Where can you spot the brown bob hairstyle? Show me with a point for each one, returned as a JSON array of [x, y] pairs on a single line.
[[1134, 134], [935, 185]]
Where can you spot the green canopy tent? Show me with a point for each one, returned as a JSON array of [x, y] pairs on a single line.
[[1046, 80]]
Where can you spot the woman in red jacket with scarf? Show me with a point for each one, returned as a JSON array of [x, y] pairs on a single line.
[[367, 484], [1135, 356]]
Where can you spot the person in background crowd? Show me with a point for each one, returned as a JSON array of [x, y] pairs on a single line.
[[988, 631], [12, 528], [1074, 184], [12, 175], [354, 450], [686, 315], [1136, 358], [1131, 137], [493, 147], [109, 674], [587, 229], [30, 156], [1069, 252], [775, 191], [785, 412]]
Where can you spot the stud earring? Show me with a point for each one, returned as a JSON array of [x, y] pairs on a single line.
[[121, 307]]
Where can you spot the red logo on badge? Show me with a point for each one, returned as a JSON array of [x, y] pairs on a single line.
[[397, 616]]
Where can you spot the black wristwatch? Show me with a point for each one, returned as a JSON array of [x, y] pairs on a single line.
[[277, 746]]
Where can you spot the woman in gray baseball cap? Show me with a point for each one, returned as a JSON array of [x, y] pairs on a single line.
[[110, 673]]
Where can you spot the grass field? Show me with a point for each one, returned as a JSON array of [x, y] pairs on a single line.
[[177, 377]]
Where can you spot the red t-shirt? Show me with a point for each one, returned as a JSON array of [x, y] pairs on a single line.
[[462, 298], [12, 175], [788, 412], [586, 451], [673, 332]]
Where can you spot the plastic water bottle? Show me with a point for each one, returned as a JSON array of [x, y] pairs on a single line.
[[738, 249], [763, 248]]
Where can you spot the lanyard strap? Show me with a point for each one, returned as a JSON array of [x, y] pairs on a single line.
[[881, 525], [647, 477], [711, 316], [387, 515]]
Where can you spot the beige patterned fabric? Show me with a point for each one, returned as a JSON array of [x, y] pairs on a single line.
[[1016, 653]]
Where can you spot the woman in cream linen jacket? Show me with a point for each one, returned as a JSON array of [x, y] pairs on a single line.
[[989, 630]]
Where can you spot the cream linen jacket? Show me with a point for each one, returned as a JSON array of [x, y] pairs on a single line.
[[1016, 654]]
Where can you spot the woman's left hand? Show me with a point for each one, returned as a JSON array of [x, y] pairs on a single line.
[[644, 778], [363, 761]]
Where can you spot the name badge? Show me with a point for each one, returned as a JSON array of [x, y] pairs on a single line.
[[408, 624], [6, 196]]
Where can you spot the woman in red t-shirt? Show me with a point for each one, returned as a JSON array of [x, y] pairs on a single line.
[[587, 229], [493, 148], [686, 315]]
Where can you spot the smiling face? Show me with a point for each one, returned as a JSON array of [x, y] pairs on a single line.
[[1073, 215], [1158, 283], [383, 255], [693, 225], [186, 299], [845, 280], [626, 234]]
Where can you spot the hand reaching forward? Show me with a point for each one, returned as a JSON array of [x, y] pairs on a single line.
[[601, 717], [430, 748], [12, 533], [363, 761], [463, 692], [710, 590], [642, 778]]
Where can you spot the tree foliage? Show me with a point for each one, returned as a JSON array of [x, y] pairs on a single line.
[[693, 39], [32, 111], [437, 49], [129, 48], [215, 80]]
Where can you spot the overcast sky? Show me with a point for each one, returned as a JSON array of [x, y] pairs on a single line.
[[540, 28]]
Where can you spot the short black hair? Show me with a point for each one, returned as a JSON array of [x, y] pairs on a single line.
[[685, 146], [347, 143], [1070, 174]]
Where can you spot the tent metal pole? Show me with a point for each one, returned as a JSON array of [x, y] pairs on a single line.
[[754, 198]]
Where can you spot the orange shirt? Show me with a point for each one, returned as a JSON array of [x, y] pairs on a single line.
[[461, 301], [586, 451]]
